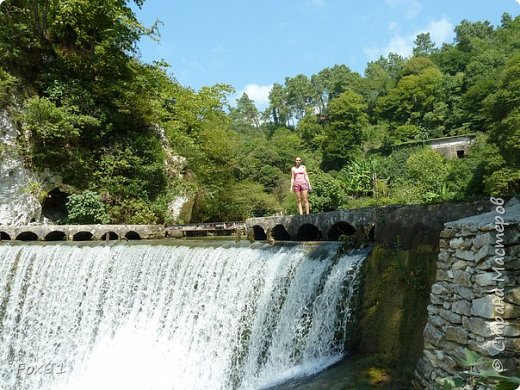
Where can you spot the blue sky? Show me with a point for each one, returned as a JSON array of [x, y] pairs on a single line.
[[251, 45]]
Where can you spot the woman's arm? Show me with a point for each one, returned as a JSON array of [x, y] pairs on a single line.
[[292, 179], [307, 177]]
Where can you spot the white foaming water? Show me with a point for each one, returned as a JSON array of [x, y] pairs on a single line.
[[170, 317]]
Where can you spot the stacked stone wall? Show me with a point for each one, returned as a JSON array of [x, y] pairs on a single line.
[[475, 300]]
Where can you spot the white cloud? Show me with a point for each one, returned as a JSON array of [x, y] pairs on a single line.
[[258, 93], [440, 31], [413, 7]]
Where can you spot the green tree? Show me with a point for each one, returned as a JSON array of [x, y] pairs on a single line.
[[310, 128], [423, 45], [245, 114], [469, 36], [336, 80], [278, 108], [53, 134], [392, 65], [346, 118], [414, 95], [377, 82], [299, 95], [504, 107], [429, 171]]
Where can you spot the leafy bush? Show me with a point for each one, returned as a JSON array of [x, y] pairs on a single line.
[[53, 135], [358, 177], [505, 181], [466, 177], [248, 199], [7, 83], [86, 208], [429, 171], [479, 372], [133, 212], [327, 192], [393, 165], [405, 133]]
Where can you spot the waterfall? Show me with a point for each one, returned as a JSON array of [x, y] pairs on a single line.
[[159, 316]]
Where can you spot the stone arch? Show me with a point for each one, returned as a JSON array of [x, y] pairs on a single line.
[[340, 229], [54, 206], [55, 235], [82, 236], [131, 235], [27, 236], [4, 236], [279, 233], [308, 232], [110, 236], [259, 233]]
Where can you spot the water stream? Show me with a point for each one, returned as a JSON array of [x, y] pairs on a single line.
[[141, 316]]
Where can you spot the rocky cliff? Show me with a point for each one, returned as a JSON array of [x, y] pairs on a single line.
[[18, 205]]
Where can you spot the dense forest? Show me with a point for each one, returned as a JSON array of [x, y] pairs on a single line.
[[126, 138]]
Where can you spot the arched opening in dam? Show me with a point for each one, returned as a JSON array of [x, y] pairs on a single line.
[[279, 233], [308, 232], [131, 235], [4, 236], [109, 236], [27, 236], [340, 230], [55, 236], [259, 233], [372, 234], [82, 236]]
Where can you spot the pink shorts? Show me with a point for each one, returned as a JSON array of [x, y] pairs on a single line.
[[301, 187]]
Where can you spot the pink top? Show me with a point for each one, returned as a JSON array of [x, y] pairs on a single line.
[[299, 175]]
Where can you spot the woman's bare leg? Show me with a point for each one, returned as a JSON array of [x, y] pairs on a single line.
[[305, 197], [299, 198]]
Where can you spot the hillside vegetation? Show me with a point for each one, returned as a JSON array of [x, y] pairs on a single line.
[[91, 111]]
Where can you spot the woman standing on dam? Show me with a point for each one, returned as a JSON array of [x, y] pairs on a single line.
[[301, 185]]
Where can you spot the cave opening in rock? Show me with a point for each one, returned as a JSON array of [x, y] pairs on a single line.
[[54, 205]]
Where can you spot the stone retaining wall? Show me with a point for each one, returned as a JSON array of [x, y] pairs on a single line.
[[475, 301]]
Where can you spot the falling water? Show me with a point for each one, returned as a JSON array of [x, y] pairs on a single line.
[[134, 316]]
